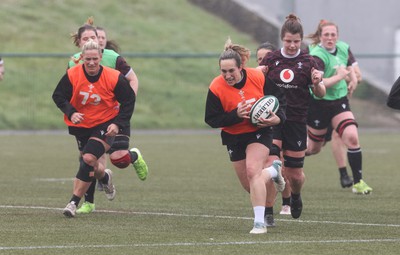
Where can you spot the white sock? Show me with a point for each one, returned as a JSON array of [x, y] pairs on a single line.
[[272, 171], [259, 214]]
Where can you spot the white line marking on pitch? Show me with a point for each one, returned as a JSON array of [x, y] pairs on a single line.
[[202, 216], [196, 244], [54, 179]]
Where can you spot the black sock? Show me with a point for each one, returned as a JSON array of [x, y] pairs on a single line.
[[75, 200], [355, 162], [269, 210], [343, 171], [295, 196], [134, 156], [104, 180], [285, 200], [89, 195]]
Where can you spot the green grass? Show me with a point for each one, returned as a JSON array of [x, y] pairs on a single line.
[[191, 203], [172, 91]]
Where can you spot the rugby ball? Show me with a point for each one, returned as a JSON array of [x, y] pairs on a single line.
[[262, 108]]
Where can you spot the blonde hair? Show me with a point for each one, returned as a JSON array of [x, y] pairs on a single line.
[[91, 45]]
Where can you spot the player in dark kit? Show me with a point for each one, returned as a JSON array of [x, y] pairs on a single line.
[[393, 100], [295, 72]]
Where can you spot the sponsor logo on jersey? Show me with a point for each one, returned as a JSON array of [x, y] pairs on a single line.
[[286, 75]]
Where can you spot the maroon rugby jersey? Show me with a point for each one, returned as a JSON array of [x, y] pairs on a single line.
[[293, 76]]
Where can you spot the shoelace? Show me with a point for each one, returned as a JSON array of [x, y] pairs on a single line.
[[107, 189], [71, 207]]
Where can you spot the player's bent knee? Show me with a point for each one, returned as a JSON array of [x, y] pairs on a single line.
[[293, 162], [85, 172], [313, 151], [89, 158], [121, 162]]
